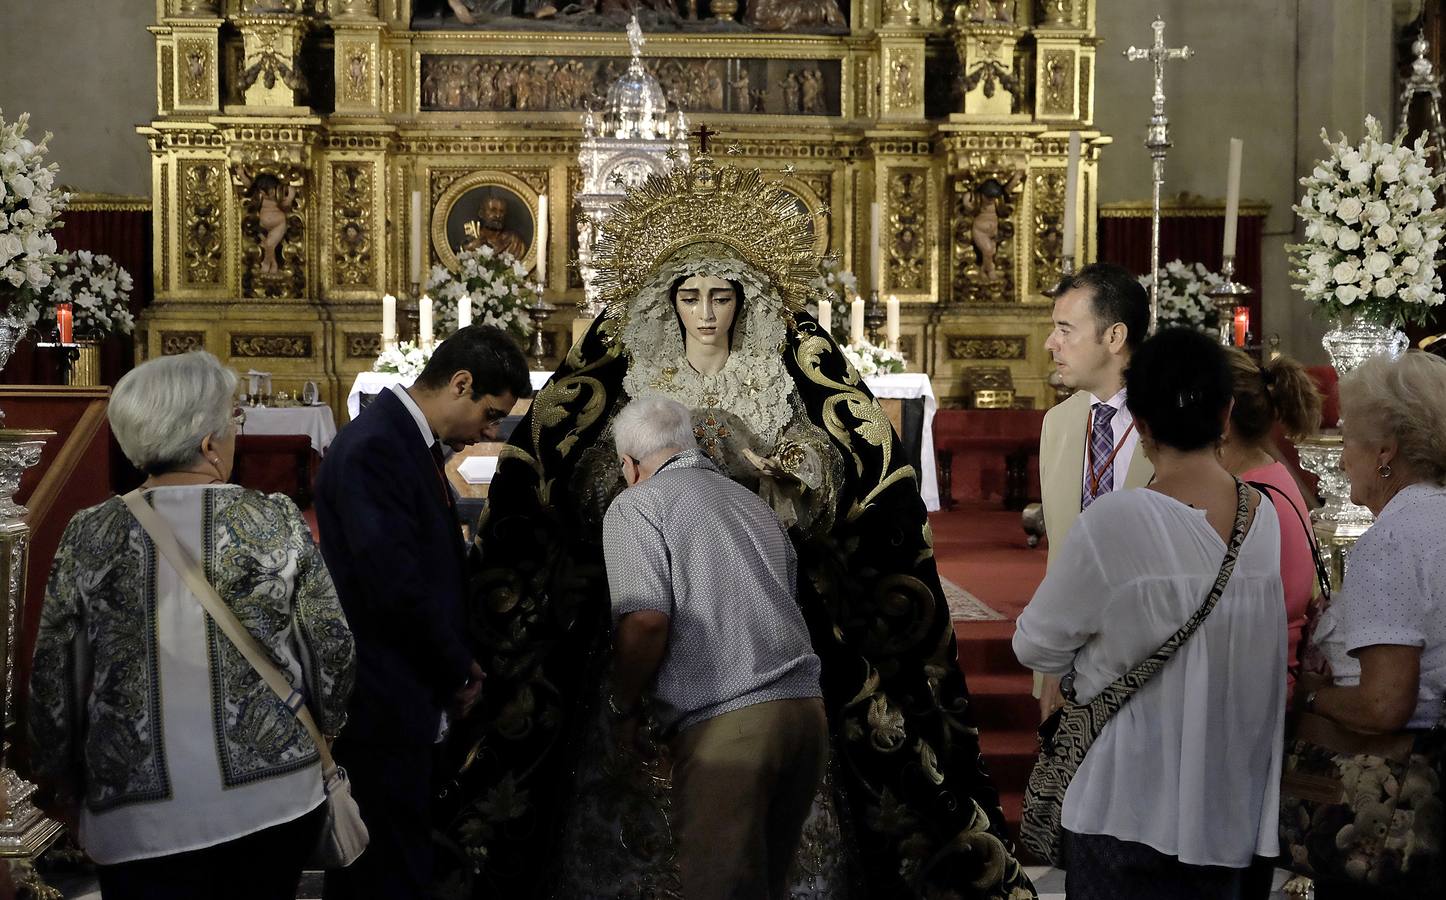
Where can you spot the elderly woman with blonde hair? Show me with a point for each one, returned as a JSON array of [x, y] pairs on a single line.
[[1381, 643], [189, 775]]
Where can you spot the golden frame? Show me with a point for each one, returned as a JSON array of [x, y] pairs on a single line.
[[464, 186]]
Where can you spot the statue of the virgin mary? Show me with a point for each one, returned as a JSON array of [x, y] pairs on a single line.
[[544, 803]]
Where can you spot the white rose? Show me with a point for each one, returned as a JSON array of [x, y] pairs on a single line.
[[1360, 173], [1409, 265], [1349, 210], [11, 246], [1348, 240], [1321, 173], [15, 276], [1426, 199], [36, 275], [1386, 236], [1377, 212], [1327, 234], [1347, 294], [1386, 287], [1414, 173], [1346, 272], [1389, 171], [1350, 158], [1378, 263], [1327, 202], [1419, 293], [22, 186], [1411, 237]]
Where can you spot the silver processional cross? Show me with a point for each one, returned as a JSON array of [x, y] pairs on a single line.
[[1157, 139]]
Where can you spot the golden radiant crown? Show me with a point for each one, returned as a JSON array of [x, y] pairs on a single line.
[[706, 203]]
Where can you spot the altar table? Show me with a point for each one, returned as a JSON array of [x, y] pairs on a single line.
[[316, 422]]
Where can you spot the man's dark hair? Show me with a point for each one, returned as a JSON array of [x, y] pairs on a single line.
[[1115, 296], [1178, 385], [489, 354]]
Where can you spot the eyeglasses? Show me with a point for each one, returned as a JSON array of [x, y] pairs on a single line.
[[238, 417]]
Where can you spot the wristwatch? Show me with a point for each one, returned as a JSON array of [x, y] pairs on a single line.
[[1310, 701]]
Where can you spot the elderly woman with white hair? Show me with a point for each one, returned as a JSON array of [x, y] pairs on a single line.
[[1376, 670], [190, 776]]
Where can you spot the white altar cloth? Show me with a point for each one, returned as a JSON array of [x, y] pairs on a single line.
[[905, 386], [910, 386], [316, 422]]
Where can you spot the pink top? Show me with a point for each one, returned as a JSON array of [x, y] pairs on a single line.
[[1297, 568]]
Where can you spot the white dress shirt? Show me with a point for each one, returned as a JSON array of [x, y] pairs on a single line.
[[1395, 593], [1191, 764], [1119, 425]]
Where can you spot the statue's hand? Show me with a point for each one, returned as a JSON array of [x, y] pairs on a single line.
[[766, 464]]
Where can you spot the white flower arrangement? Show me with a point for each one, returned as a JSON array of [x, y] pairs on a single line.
[[98, 291], [1184, 300], [871, 360], [30, 203], [406, 359], [495, 282], [1372, 230], [840, 287]]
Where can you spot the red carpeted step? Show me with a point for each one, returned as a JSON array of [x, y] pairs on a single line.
[[1004, 704], [1013, 803], [984, 648], [1010, 756]]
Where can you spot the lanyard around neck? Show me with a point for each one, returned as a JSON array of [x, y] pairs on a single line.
[[1095, 475]]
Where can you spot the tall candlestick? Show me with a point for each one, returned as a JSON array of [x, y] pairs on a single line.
[[1232, 195], [1071, 195], [891, 322], [542, 239], [825, 316], [876, 241], [416, 237], [424, 322], [389, 321], [856, 321], [464, 311]]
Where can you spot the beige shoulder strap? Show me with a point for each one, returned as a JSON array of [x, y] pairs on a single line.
[[205, 594]]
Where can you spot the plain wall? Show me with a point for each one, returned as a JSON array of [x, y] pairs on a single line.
[[84, 70], [1270, 72]]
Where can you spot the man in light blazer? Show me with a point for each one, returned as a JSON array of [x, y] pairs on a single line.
[[1088, 445]]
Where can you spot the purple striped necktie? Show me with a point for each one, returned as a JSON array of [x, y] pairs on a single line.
[[1101, 456]]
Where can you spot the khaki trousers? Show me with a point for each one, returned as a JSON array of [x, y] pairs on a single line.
[[743, 784]]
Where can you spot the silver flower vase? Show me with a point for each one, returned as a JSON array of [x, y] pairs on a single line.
[[1339, 522]]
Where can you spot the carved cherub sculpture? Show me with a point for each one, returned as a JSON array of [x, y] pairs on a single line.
[[274, 202], [989, 204]]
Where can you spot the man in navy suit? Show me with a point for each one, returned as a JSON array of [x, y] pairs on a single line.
[[390, 536]]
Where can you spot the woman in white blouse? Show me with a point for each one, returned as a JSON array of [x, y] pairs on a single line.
[[188, 776], [1382, 640], [1178, 796]]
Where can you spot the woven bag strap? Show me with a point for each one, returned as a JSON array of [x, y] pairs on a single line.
[[1113, 697]]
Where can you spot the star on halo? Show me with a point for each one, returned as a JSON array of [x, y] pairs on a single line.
[[735, 149], [823, 210], [790, 169], [672, 155]]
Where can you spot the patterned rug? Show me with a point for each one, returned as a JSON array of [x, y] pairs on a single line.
[[965, 607]]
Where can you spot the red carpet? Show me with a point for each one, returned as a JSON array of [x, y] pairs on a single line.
[[982, 549]]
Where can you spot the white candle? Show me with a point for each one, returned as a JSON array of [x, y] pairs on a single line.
[[1232, 195], [856, 321], [416, 237], [424, 322], [464, 311], [542, 239], [389, 321], [876, 239], [891, 323], [825, 315], [1071, 192]]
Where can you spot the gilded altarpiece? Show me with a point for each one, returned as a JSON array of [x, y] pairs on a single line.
[[291, 135]]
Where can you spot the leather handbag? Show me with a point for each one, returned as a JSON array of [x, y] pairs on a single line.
[[344, 836], [1067, 735]]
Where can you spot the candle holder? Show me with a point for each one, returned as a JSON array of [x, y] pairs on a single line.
[[874, 318], [1066, 269], [1228, 295], [539, 312]]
